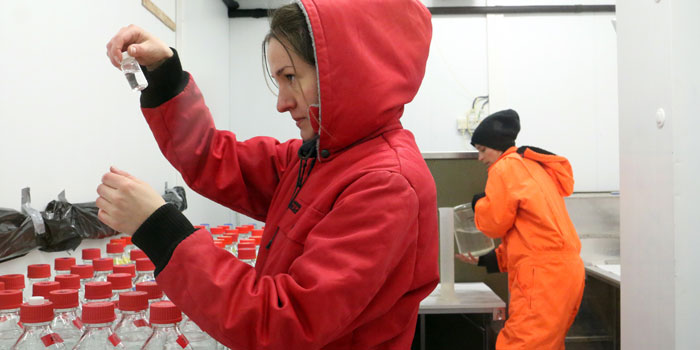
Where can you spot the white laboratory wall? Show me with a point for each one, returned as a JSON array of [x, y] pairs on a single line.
[[658, 55], [558, 71], [67, 114]]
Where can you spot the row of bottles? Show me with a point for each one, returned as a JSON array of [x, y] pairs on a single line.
[[243, 241], [54, 324]]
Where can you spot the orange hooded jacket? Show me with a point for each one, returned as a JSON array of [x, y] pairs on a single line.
[[524, 205]]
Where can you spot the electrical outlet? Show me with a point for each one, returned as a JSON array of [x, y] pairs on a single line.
[[462, 124]]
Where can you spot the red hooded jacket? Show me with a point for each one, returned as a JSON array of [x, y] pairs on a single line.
[[346, 266]]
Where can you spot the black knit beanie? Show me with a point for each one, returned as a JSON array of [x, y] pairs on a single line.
[[498, 131]]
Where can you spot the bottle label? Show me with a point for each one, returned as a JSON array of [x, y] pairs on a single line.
[[51, 339], [141, 323], [78, 323], [182, 341], [114, 339]]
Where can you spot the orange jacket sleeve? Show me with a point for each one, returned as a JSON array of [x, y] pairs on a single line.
[[495, 214]]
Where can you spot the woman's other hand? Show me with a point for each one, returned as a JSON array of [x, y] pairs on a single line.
[[468, 259], [148, 50], [125, 202]]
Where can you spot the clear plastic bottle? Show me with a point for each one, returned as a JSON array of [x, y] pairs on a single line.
[[132, 325], [129, 246], [129, 269], [153, 291], [133, 73], [42, 289], [98, 292], [121, 283], [144, 271], [38, 273], [62, 266], [86, 273], [10, 328], [197, 337], [247, 255], [14, 281], [135, 254], [69, 281], [116, 251], [165, 317], [89, 254], [243, 232], [98, 334], [36, 316], [66, 322], [103, 267]]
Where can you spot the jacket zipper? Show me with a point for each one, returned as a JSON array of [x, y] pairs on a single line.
[[273, 238]]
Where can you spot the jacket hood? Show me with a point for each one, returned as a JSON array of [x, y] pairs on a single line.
[[370, 60], [556, 166]]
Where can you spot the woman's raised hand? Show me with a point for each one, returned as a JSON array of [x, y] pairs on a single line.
[[148, 50]]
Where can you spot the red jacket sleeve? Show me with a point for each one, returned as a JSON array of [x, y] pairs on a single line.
[[238, 175], [356, 263]]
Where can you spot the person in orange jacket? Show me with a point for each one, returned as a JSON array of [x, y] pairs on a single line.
[[524, 206]]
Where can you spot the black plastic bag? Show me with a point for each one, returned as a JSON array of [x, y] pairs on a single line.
[[67, 224], [17, 236], [176, 196]]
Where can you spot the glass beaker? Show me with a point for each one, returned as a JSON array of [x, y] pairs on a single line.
[[469, 239]]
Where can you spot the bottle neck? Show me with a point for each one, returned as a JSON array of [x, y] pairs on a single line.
[[65, 311], [36, 326], [9, 311], [163, 326], [98, 326]]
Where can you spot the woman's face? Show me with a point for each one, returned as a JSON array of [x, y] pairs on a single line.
[[488, 155], [297, 82]]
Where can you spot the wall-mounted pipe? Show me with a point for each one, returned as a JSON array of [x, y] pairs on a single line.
[[234, 11]]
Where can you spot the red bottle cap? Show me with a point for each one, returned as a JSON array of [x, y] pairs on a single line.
[[120, 281], [2, 285], [119, 240], [220, 244], [91, 253], [165, 312], [233, 235], [13, 281], [98, 290], [10, 299], [144, 264], [257, 240], [103, 264], [135, 254], [42, 289], [29, 313], [39, 271], [115, 248], [152, 288], [246, 245], [133, 301], [227, 239], [217, 230], [69, 281], [243, 229], [63, 264], [127, 240], [84, 271], [257, 233], [98, 312], [64, 298], [246, 253], [127, 268]]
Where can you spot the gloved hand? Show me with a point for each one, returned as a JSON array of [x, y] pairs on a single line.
[[476, 199]]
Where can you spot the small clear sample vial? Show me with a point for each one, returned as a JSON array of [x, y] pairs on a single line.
[[133, 72]]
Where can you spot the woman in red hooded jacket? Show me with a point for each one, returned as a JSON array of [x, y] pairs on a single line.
[[350, 242], [524, 206]]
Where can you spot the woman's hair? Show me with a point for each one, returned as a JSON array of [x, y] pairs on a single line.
[[288, 25]]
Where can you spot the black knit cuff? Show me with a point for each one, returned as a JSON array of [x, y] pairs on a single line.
[[160, 234], [490, 261], [164, 83]]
